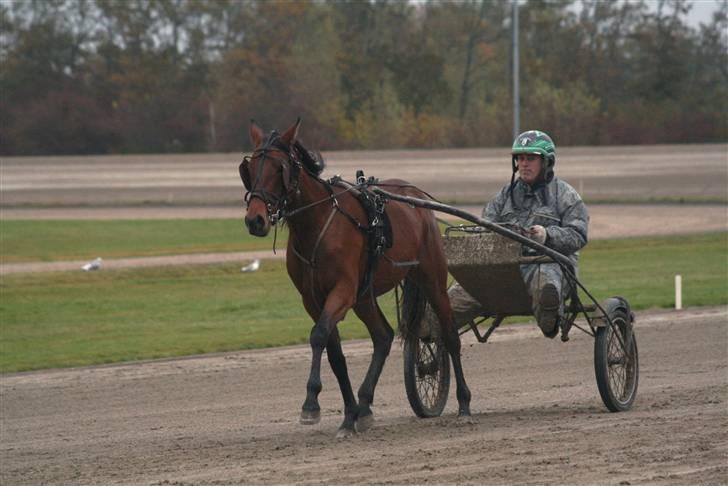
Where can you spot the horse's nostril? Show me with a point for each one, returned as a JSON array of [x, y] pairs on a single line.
[[256, 225]]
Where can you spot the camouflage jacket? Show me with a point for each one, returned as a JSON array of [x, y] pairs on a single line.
[[556, 206]]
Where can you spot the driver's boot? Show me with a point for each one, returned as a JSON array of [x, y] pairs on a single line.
[[548, 310]]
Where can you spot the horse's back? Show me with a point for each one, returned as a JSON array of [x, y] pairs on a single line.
[[410, 221], [404, 188]]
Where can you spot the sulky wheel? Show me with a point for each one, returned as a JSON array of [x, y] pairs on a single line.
[[617, 367], [426, 375]]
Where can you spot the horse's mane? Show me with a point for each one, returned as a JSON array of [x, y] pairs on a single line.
[[311, 160]]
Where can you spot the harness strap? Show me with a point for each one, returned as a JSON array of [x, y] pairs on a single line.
[[321, 234], [394, 263], [301, 257], [312, 262]]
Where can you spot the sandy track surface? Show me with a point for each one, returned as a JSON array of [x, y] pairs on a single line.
[[233, 418], [626, 173]]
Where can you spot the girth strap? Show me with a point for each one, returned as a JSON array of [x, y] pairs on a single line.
[[379, 231]]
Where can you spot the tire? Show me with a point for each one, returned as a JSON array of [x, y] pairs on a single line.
[[617, 372], [426, 375]]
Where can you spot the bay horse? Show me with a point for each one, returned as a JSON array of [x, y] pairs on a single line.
[[327, 259]]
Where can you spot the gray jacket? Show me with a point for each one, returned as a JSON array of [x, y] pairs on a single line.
[[556, 206]]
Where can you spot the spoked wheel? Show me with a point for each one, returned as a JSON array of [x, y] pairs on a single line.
[[617, 367], [426, 375]]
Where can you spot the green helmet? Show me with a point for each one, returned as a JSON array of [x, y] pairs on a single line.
[[536, 142]]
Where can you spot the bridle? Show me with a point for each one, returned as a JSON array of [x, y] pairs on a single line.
[[276, 204]]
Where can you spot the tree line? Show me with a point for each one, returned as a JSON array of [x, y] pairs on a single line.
[[132, 76]]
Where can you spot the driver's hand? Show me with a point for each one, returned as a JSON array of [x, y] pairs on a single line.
[[537, 233]]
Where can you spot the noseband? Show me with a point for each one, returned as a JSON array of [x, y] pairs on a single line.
[[275, 204]]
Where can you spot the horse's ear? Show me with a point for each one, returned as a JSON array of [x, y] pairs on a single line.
[[256, 134], [289, 137]]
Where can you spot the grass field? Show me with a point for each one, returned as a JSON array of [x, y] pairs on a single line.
[[73, 319], [52, 240]]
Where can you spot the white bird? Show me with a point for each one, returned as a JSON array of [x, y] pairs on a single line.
[[93, 265], [251, 267]]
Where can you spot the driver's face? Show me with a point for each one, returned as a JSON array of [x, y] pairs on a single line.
[[529, 167]]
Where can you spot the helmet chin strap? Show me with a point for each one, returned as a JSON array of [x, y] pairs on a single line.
[[548, 169]]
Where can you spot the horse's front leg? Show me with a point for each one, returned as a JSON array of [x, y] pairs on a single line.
[[337, 303]]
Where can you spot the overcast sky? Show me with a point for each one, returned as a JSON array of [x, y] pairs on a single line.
[[702, 11]]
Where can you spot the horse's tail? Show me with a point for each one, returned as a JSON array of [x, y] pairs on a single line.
[[414, 305]]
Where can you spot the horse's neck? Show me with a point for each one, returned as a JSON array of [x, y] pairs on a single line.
[[309, 222]]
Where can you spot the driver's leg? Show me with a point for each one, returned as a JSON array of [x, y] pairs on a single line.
[[464, 309], [545, 284]]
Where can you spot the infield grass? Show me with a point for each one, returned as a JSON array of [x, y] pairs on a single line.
[[72, 319], [59, 240], [54, 240]]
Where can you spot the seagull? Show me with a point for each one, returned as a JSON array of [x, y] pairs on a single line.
[[252, 267], [93, 265]]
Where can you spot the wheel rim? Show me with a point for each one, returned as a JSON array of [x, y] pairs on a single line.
[[621, 364], [431, 359]]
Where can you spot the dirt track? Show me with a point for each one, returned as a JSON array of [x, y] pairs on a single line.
[[233, 418], [636, 173]]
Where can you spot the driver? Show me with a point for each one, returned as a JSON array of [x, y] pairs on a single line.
[[553, 214]]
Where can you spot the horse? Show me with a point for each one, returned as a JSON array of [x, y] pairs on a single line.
[[327, 260]]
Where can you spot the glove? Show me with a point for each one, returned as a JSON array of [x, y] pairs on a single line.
[[537, 233]]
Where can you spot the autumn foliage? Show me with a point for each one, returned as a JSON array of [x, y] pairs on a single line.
[[107, 76]]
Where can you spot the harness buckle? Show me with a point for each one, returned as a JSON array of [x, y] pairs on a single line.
[[379, 203]]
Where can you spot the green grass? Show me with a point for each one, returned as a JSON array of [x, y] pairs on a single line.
[[643, 269], [53, 240], [72, 319]]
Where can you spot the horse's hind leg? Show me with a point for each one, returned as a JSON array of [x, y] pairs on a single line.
[[452, 343], [338, 365], [440, 302], [382, 336]]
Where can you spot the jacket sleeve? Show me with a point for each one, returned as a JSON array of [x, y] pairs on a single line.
[[571, 235], [493, 210]]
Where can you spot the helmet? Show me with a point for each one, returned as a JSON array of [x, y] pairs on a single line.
[[536, 142]]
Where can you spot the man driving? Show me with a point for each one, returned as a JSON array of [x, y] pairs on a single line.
[[551, 212]]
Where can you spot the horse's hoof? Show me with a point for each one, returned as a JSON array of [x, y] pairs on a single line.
[[365, 423], [310, 417], [344, 433], [466, 420]]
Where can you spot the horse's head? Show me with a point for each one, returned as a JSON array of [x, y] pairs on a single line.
[[270, 175]]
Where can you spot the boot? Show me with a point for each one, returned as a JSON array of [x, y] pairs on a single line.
[[549, 303]]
